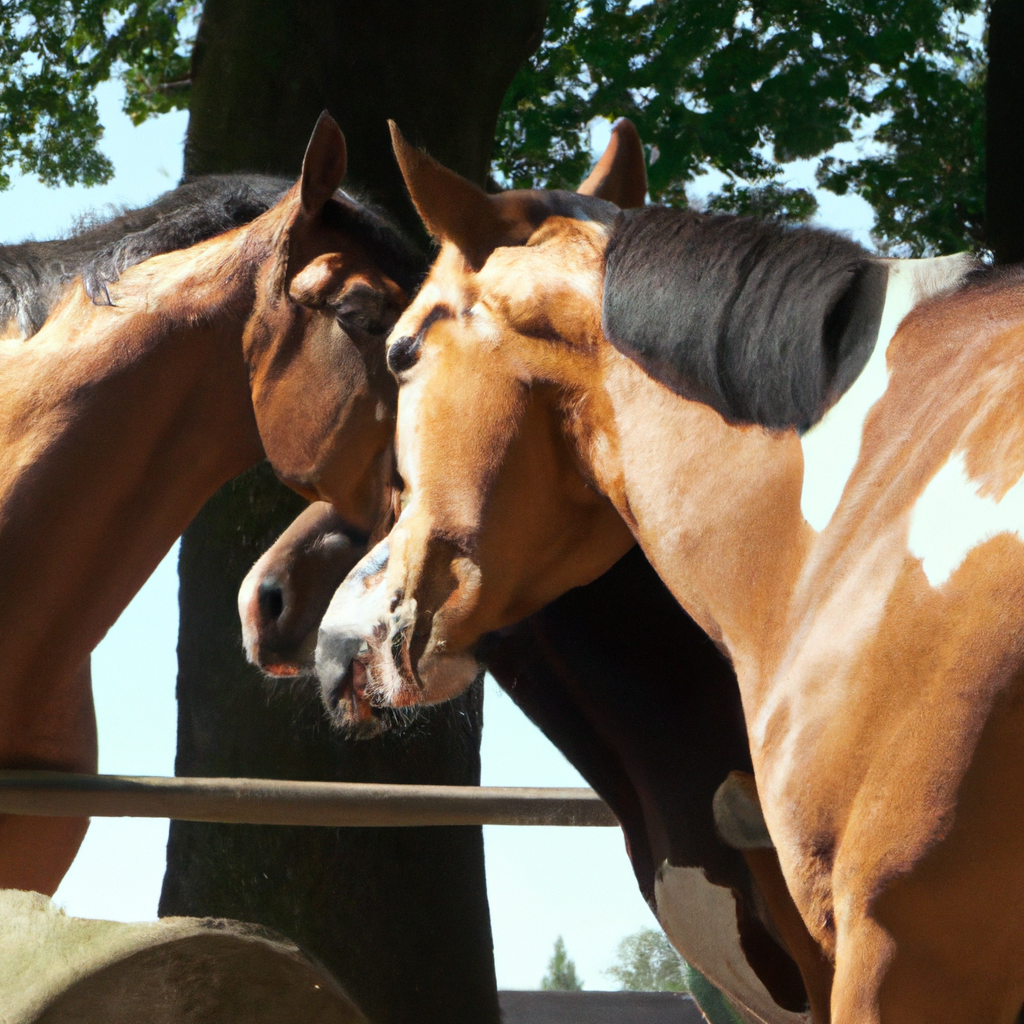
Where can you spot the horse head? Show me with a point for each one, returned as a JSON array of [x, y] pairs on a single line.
[[335, 278], [497, 518], [285, 594]]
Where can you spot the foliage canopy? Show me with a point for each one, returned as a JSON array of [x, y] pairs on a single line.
[[736, 86], [53, 54], [744, 86]]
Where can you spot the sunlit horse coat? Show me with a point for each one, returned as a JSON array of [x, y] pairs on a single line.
[[151, 382], [881, 697]]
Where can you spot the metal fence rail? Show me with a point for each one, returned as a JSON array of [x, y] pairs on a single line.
[[282, 802]]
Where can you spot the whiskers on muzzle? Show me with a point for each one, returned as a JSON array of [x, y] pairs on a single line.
[[357, 699]]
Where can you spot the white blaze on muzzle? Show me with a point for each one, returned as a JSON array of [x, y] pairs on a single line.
[[358, 608]]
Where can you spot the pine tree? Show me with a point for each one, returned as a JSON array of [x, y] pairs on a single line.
[[561, 976]]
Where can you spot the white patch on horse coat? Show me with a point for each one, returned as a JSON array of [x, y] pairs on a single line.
[[950, 518], [738, 818], [832, 445], [358, 605], [700, 920]]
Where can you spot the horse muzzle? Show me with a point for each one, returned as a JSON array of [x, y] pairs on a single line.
[[367, 647]]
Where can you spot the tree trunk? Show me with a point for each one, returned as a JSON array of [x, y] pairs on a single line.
[[263, 70], [398, 915], [1004, 139]]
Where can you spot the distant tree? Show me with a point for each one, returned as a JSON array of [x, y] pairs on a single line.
[[561, 976], [647, 962]]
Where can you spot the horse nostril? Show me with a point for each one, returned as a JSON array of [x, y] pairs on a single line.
[[270, 598], [403, 353]]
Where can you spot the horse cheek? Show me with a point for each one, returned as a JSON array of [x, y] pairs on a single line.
[[291, 429]]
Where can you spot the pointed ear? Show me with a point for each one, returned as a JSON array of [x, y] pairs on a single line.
[[323, 166], [620, 176], [452, 208]]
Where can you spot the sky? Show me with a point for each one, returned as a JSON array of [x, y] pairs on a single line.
[[542, 882]]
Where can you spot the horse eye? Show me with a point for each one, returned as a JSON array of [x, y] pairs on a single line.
[[359, 322], [403, 353], [362, 309]]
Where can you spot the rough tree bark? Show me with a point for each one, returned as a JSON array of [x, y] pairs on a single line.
[[1004, 140], [399, 915], [263, 68]]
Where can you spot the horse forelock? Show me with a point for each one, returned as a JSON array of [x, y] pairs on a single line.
[[384, 242]]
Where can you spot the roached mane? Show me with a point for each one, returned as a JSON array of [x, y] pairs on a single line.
[[765, 323]]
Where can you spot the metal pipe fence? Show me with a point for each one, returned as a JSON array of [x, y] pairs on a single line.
[[283, 802]]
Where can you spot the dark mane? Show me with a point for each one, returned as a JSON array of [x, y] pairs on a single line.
[[383, 240], [766, 324], [994, 276], [34, 274]]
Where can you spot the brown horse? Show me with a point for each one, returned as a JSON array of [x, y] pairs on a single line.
[[657, 759], [119, 420], [572, 379]]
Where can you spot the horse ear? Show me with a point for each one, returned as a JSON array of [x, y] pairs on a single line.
[[620, 176], [323, 166], [452, 208]]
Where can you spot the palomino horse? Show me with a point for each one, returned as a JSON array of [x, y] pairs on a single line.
[[657, 758], [121, 417], [649, 376]]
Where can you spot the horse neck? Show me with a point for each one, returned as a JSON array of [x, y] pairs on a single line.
[[715, 507], [117, 423]]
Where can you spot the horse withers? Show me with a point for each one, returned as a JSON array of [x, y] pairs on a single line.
[[131, 406], [658, 377]]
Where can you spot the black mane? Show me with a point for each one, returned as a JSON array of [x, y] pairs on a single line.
[[372, 228], [33, 275], [767, 324]]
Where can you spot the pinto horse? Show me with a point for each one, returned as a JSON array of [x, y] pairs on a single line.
[[656, 758], [121, 416], [656, 377]]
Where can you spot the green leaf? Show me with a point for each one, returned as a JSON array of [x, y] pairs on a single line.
[[744, 87], [53, 55]]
